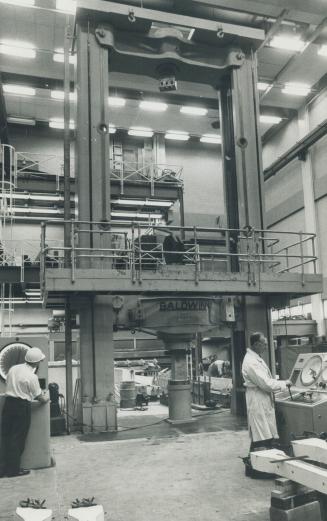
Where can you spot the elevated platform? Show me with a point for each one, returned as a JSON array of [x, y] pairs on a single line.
[[46, 183], [177, 280], [158, 259]]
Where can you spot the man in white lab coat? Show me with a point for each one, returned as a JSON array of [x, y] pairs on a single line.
[[260, 386]]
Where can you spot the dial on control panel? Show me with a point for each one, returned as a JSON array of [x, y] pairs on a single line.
[[312, 370]]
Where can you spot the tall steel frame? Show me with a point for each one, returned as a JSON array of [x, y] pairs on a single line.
[[112, 36]]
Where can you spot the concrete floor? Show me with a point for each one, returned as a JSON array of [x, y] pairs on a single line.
[[186, 474]]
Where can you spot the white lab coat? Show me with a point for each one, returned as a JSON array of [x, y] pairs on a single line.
[[260, 386]]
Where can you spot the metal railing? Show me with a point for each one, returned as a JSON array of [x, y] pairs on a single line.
[[8, 181], [203, 250], [123, 171], [152, 173]]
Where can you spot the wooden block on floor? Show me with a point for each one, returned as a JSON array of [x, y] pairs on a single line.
[[294, 500], [33, 514], [95, 513], [308, 512]]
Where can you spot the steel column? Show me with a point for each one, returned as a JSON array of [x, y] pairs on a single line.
[[239, 105], [310, 216], [93, 181]]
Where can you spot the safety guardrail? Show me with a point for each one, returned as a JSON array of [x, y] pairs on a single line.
[[152, 247]]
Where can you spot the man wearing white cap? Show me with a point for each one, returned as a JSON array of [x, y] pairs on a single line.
[[22, 387]]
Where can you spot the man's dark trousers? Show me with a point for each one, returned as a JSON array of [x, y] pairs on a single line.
[[15, 423]]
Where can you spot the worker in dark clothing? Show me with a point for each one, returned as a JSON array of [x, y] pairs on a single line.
[[22, 387]]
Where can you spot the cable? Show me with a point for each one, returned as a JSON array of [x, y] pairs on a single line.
[[129, 428]]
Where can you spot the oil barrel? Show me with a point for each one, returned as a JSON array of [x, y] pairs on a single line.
[[127, 395]]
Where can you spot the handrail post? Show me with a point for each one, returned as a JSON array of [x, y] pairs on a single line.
[[133, 254], [196, 256], [227, 247], [140, 252], [122, 177], [313, 247], [301, 251], [42, 258], [72, 252], [152, 179]]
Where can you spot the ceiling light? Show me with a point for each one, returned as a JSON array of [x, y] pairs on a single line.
[[68, 6], [288, 43], [214, 139], [21, 121], [17, 48], [274, 120], [154, 106], [22, 3], [296, 89], [59, 123], [178, 135], [194, 111], [323, 50], [60, 95], [144, 202], [59, 56], [19, 90], [140, 131], [115, 101], [138, 215], [263, 85], [112, 129]]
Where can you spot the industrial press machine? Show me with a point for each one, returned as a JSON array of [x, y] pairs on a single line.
[[303, 409]]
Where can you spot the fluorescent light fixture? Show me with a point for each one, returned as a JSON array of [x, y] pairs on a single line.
[[60, 95], [22, 3], [274, 120], [288, 43], [194, 111], [137, 215], [214, 139], [68, 6], [115, 101], [17, 48], [263, 85], [59, 123], [144, 202], [59, 56], [177, 135], [323, 50], [112, 129], [140, 131], [19, 90], [21, 121], [296, 89], [154, 106]]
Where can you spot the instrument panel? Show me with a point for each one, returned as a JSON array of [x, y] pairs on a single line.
[[310, 370]]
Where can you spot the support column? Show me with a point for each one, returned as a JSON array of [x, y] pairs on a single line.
[[97, 364], [243, 179], [310, 216], [93, 183], [179, 386]]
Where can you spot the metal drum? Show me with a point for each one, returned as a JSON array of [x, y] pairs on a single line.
[[127, 395]]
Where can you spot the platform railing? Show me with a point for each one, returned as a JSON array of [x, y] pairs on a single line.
[[136, 250], [152, 173], [123, 171]]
